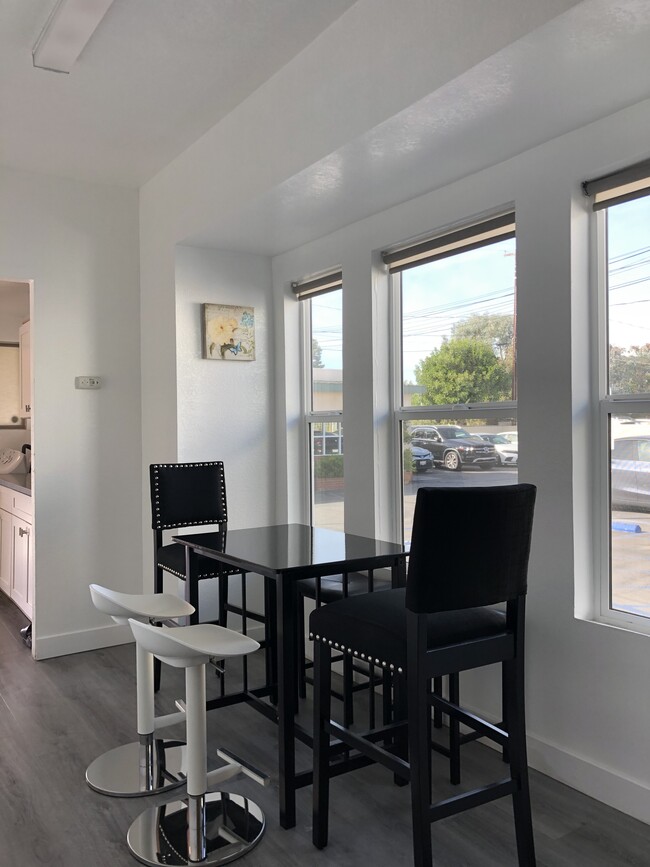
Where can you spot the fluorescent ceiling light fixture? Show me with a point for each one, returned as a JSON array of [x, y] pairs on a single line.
[[67, 32]]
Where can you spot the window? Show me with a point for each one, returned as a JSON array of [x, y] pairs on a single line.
[[456, 329], [323, 364], [622, 205]]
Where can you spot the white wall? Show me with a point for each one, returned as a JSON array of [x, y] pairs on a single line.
[[588, 697], [226, 408], [79, 244]]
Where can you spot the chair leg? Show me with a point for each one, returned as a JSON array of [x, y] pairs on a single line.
[[400, 705], [454, 731], [321, 745], [158, 587], [302, 660], [437, 713], [348, 692], [513, 672], [419, 715]]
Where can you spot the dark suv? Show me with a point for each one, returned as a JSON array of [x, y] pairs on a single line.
[[454, 447]]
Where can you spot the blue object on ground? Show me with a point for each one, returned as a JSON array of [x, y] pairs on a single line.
[[626, 527]]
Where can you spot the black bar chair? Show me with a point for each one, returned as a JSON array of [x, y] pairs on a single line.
[[442, 623], [322, 591], [193, 495]]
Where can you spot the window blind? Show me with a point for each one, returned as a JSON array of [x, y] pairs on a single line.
[[451, 243], [622, 186], [318, 285]]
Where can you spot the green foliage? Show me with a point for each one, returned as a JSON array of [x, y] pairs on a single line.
[[407, 462], [316, 353], [328, 467], [462, 370], [495, 330], [629, 369]]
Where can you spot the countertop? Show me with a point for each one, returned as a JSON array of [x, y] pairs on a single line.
[[21, 482]]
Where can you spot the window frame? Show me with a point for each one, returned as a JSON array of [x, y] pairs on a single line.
[[606, 406], [309, 415], [456, 412]]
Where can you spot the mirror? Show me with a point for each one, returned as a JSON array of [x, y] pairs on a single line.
[[10, 386]]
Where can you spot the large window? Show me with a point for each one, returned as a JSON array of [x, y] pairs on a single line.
[[622, 203], [457, 378], [323, 364]]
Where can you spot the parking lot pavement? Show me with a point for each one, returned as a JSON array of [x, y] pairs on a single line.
[[631, 562]]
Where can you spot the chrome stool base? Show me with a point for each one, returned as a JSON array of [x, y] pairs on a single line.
[[138, 769], [233, 825]]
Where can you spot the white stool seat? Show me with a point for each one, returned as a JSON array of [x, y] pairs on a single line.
[[191, 645], [151, 606]]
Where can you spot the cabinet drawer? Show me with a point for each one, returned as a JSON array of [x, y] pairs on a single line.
[[21, 505]]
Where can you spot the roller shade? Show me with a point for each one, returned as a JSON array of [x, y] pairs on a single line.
[[622, 186], [438, 247], [318, 285]]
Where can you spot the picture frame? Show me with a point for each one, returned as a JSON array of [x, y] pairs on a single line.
[[228, 332]]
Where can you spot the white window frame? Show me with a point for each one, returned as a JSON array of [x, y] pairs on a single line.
[[309, 416], [457, 412], [607, 405]]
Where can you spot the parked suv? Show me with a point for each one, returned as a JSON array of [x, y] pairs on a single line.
[[454, 447]]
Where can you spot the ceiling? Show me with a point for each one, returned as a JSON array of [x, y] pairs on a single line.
[[157, 74]]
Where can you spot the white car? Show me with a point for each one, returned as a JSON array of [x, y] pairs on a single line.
[[506, 449]]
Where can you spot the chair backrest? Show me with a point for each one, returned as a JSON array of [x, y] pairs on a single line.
[[469, 547], [187, 495]]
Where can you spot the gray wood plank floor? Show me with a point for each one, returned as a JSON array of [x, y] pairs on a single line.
[[57, 716]]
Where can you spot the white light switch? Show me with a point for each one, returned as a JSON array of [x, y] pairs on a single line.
[[87, 382]]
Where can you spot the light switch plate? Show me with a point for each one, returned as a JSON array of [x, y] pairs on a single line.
[[87, 382]]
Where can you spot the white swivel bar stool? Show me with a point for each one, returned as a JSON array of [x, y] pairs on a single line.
[[151, 764], [206, 829]]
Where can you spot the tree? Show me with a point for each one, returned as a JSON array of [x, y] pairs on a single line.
[[629, 369], [316, 353], [462, 370], [491, 328]]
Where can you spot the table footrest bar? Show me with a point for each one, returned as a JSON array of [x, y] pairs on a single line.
[[469, 800]]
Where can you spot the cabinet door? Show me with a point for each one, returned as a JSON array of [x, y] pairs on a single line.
[[24, 336], [21, 591], [6, 538]]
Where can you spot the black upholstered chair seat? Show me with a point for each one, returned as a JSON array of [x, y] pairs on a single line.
[[171, 558], [373, 626], [331, 586]]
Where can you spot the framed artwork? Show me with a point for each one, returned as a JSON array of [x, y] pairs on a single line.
[[228, 332]]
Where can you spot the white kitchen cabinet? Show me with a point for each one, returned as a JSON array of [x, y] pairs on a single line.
[[6, 556], [24, 339], [17, 548], [22, 577]]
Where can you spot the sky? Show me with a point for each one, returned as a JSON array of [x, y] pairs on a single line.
[[437, 295], [628, 232]]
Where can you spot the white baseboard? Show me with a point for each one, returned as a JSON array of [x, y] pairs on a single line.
[[604, 784], [48, 646]]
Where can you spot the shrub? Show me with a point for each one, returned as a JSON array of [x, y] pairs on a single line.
[[328, 467]]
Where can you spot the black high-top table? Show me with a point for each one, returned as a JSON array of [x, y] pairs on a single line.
[[287, 553]]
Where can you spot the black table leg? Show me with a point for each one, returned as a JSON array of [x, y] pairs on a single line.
[[191, 584], [286, 626]]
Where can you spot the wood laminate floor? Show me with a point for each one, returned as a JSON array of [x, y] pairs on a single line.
[[56, 716]]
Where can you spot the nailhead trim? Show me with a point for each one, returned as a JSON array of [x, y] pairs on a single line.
[[356, 653], [222, 518]]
